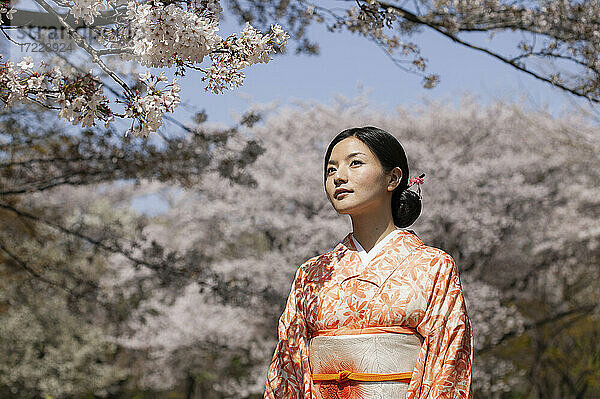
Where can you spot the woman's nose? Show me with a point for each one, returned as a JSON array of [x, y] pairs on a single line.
[[339, 177]]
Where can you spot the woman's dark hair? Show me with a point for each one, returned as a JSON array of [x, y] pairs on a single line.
[[406, 204]]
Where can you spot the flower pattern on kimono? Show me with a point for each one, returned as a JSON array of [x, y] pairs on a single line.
[[406, 284]]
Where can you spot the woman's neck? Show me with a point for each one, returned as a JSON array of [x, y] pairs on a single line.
[[369, 229]]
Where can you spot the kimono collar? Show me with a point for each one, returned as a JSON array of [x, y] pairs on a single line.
[[408, 237], [367, 256], [375, 270]]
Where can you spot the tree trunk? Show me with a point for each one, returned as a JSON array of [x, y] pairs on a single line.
[[191, 383]]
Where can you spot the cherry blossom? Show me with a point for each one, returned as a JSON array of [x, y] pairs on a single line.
[[153, 34]]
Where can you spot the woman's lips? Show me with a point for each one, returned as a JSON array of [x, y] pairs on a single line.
[[342, 194]]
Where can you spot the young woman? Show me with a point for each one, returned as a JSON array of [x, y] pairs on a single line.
[[381, 315]]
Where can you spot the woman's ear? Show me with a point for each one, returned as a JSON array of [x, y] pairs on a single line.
[[395, 178]]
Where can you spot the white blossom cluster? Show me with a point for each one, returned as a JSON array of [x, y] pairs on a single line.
[[155, 34], [165, 36], [250, 48], [88, 9], [81, 104], [149, 110], [80, 99], [161, 33]]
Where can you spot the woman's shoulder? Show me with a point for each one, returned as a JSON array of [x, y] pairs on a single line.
[[316, 262], [438, 264], [415, 243], [315, 266], [433, 256], [434, 252]]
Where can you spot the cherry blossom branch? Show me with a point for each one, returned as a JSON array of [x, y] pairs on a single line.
[[33, 272], [416, 19], [578, 312], [110, 248], [115, 92], [193, 37], [84, 45]]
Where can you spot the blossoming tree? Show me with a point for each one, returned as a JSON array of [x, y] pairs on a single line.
[[153, 34]]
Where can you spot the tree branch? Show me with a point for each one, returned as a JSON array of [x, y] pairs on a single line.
[[33, 272], [109, 248], [579, 312], [418, 20], [116, 93], [58, 181], [84, 45]]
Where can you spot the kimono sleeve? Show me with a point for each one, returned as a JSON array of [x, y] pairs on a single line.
[[289, 375], [445, 362]]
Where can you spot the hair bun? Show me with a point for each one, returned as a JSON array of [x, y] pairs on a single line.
[[406, 207]]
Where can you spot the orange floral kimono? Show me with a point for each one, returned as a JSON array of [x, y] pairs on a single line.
[[400, 283]]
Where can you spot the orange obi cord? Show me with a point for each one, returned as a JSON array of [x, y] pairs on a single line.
[[349, 375], [365, 330]]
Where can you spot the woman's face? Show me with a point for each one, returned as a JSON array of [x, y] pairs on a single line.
[[352, 166]]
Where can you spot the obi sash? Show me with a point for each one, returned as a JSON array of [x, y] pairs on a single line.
[[372, 362]]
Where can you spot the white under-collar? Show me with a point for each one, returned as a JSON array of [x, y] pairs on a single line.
[[365, 256]]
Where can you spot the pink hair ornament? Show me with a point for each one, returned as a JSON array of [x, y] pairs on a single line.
[[418, 180]]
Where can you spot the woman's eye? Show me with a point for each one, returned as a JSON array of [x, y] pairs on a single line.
[[331, 170]]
